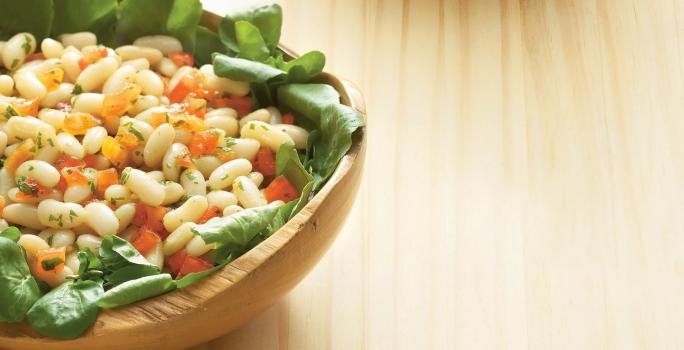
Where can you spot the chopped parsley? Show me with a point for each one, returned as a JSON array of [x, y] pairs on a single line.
[[264, 127], [31, 168], [72, 215], [239, 185], [27, 44], [9, 112], [25, 187], [114, 199], [251, 126], [15, 62], [124, 176], [50, 239], [58, 219], [51, 264], [77, 90], [52, 144]]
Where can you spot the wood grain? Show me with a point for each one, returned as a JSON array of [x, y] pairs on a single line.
[[524, 182]]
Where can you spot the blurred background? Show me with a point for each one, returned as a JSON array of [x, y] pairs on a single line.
[[523, 184]]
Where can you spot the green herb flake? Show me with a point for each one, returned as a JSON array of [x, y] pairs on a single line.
[[27, 44], [77, 90], [51, 264]]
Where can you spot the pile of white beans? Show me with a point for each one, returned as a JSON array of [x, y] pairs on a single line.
[[154, 177]]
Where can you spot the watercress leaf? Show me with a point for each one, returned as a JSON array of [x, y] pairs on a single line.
[[240, 69], [18, 289], [131, 272], [268, 19], [337, 124], [283, 215], [305, 67], [97, 16], [250, 42], [87, 260], [11, 233], [289, 165], [138, 289], [307, 100], [67, 311], [177, 18], [195, 277], [206, 43], [32, 16], [116, 253]]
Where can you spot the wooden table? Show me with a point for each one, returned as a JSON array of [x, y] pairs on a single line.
[[524, 183]]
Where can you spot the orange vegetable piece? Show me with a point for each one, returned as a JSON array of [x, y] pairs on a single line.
[[225, 154], [90, 160], [140, 217], [182, 58], [184, 161], [92, 57], [155, 219], [193, 264], [2, 204], [34, 57], [49, 262], [25, 107], [175, 261], [52, 78], [146, 240], [74, 176], [65, 161], [189, 83], [243, 105], [24, 152], [77, 123], [187, 122], [265, 162], [158, 118], [196, 106], [115, 152], [117, 103], [210, 213], [280, 189], [106, 178], [203, 142], [288, 118]]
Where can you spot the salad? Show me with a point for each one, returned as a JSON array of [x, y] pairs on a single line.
[[141, 152]]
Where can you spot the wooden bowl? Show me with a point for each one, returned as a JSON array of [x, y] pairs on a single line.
[[240, 291]]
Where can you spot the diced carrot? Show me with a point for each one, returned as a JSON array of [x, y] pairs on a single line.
[[203, 142], [189, 83], [25, 107], [77, 123], [175, 261], [2, 204], [90, 160], [265, 161], [280, 189], [145, 241], [140, 217], [49, 262], [34, 56], [106, 178], [210, 213], [24, 152], [51, 78], [117, 103], [288, 118], [181, 58], [184, 161], [196, 106], [243, 105], [115, 152], [155, 219], [193, 264], [92, 57], [74, 176]]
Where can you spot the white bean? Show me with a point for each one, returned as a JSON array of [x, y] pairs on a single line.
[[256, 177], [190, 211], [69, 145], [176, 78], [6, 181], [137, 156], [118, 80], [169, 167], [88, 102], [150, 83], [55, 214], [164, 43], [32, 244], [173, 191], [207, 164], [221, 199], [224, 175], [129, 52], [6, 85], [102, 219], [156, 175], [125, 214], [226, 123], [94, 76], [266, 134], [223, 111], [51, 48], [23, 214], [58, 238], [60, 94], [3, 141], [144, 128], [93, 139], [149, 191], [166, 67], [298, 134], [77, 193], [11, 148], [231, 209], [178, 238], [72, 261], [183, 136], [143, 103], [148, 114], [53, 117], [28, 85], [244, 148], [78, 40], [276, 116], [70, 61], [137, 63], [225, 85], [193, 182], [3, 222], [160, 140], [39, 170], [197, 246], [262, 115], [89, 241], [27, 127], [17, 48], [248, 193]]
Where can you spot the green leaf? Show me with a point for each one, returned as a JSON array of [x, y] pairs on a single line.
[[67, 311], [136, 290], [338, 123], [131, 272], [304, 68], [18, 289], [97, 16], [206, 43], [195, 277], [116, 253], [250, 42], [289, 165], [32, 16], [241, 69], [11, 233], [307, 100], [177, 18], [234, 232], [268, 19]]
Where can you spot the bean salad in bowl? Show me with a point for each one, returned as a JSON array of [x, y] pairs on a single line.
[[136, 164]]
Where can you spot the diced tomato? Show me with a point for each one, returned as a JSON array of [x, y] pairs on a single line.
[[64, 107], [196, 106], [184, 161], [155, 219], [181, 58], [117, 103], [280, 189], [35, 56], [242, 105], [140, 217], [24, 152], [187, 84], [32, 189], [193, 264], [288, 118], [90, 160], [115, 152], [77, 123], [210, 213], [49, 262], [202, 143], [175, 261], [265, 162], [62, 184], [2, 204], [92, 57], [106, 178], [65, 161], [74, 176], [51, 78], [25, 107], [146, 240]]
